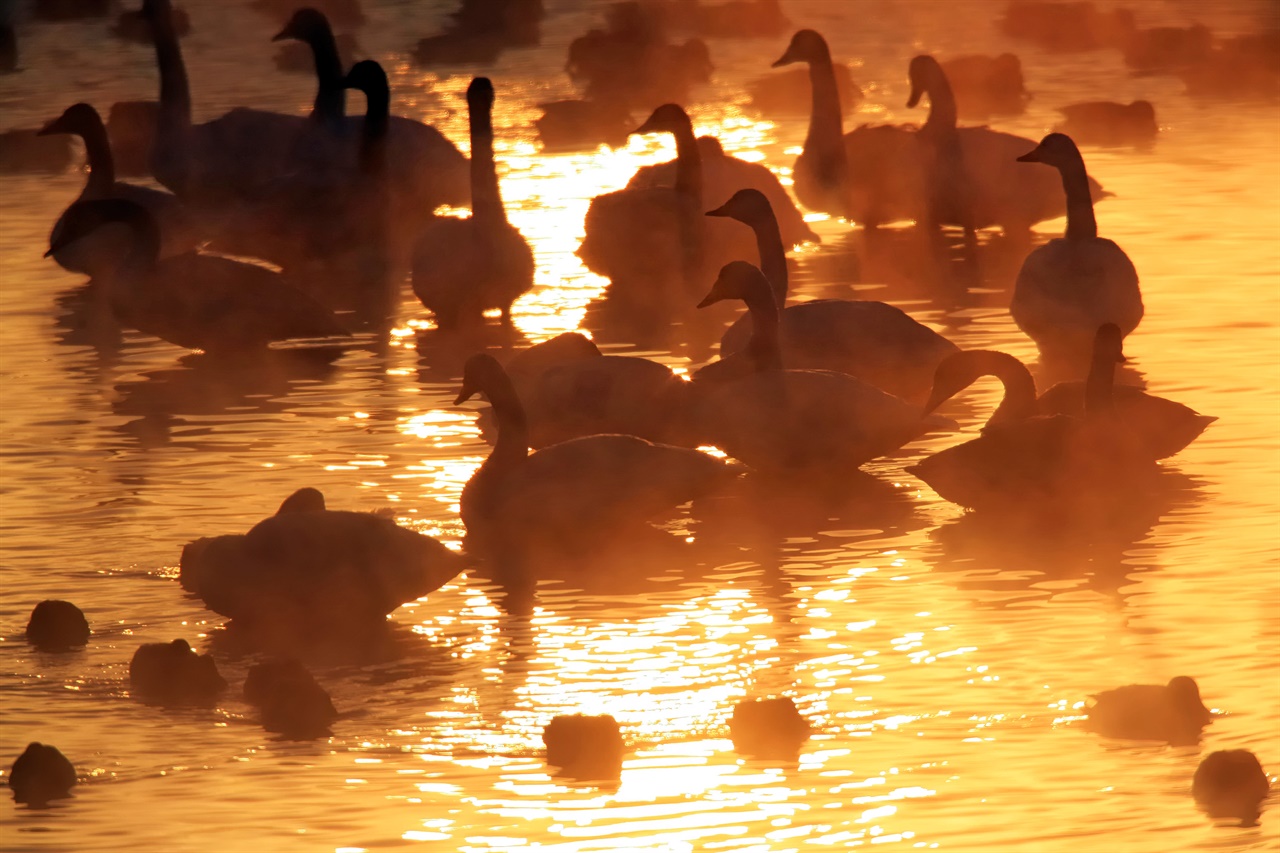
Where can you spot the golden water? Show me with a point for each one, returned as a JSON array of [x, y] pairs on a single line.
[[941, 661]]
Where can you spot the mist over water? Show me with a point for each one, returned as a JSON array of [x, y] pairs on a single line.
[[942, 659]]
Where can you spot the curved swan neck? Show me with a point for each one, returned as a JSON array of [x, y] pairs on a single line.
[[331, 97], [763, 347], [1019, 399], [486, 195], [1098, 384], [512, 444], [826, 123], [773, 254], [1081, 224], [943, 117], [373, 142], [688, 163], [97, 147], [175, 91]]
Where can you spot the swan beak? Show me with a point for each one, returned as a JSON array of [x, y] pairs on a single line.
[[50, 128], [1032, 156], [647, 127], [284, 35], [936, 399], [49, 253], [719, 211], [464, 395], [710, 299], [916, 94], [785, 59]]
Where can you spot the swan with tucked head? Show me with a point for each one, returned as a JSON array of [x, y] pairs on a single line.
[[872, 341], [1070, 286], [790, 422], [463, 267], [574, 494], [177, 230], [196, 301]]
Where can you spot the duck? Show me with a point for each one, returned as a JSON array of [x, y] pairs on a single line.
[[1108, 123], [1173, 712], [175, 674], [990, 186], [463, 267], [192, 300], [872, 341], [790, 423], [569, 389], [178, 231], [788, 93], [577, 494], [987, 86], [314, 567], [580, 124], [1070, 286], [654, 242], [723, 175], [1027, 462], [480, 30], [1159, 426]]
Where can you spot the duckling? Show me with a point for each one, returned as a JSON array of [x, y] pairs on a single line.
[[177, 229], [191, 300], [1231, 783], [311, 566], [574, 495], [805, 423], [723, 175], [872, 341], [987, 86], [463, 267], [1108, 123], [1070, 286], [1171, 712]]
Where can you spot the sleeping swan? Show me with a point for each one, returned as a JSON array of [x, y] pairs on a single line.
[[576, 493], [463, 267], [192, 300], [872, 341], [790, 422], [309, 565], [177, 230], [1070, 286]]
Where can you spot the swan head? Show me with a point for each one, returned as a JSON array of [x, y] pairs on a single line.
[[748, 206], [367, 76], [668, 118], [304, 500], [74, 119], [480, 94], [1056, 149], [737, 280], [921, 73], [805, 46], [955, 373], [1108, 343], [481, 372], [86, 217], [306, 25]]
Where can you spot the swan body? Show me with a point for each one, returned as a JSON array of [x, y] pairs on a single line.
[[463, 267], [576, 492], [192, 300], [1171, 712], [722, 176], [131, 128], [1070, 286], [654, 242], [1108, 123], [791, 421], [308, 564], [873, 341], [570, 389], [177, 230]]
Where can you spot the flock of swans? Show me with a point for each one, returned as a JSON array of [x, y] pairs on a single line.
[[591, 447]]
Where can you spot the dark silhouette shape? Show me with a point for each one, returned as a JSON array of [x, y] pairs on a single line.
[[288, 698], [579, 125], [57, 626], [987, 86], [1231, 783], [174, 674], [480, 30], [768, 728], [584, 747], [131, 127], [1109, 124], [1172, 713], [133, 26], [41, 774]]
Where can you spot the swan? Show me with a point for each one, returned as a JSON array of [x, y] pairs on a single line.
[[177, 230], [722, 176], [987, 85], [1159, 426], [311, 27], [1231, 783], [791, 421], [131, 128], [192, 300], [788, 93], [654, 242], [1109, 123], [570, 389], [310, 565], [577, 492], [1070, 286], [872, 341], [463, 267], [1170, 712], [993, 185]]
